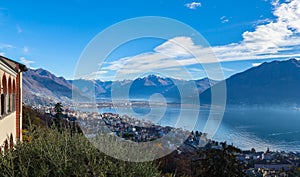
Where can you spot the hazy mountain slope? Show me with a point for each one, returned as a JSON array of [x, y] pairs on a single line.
[[140, 88], [276, 82], [40, 86]]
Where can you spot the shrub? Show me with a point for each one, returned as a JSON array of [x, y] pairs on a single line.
[[63, 153]]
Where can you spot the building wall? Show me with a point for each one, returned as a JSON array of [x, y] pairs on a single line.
[[19, 105], [7, 127], [9, 114]]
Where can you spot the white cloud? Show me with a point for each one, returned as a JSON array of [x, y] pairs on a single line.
[[19, 29], [193, 5], [2, 54], [224, 19], [96, 75], [275, 3], [262, 21], [170, 54], [275, 39], [177, 47], [174, 58], [256, 64], [26, 62]]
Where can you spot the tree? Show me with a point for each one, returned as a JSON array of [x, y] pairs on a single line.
[[11, 141], [214, 162], [58, 108], [6, 146]]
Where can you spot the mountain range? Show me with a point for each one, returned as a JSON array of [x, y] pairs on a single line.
[[42, 87], [140, 88], [276, 82]]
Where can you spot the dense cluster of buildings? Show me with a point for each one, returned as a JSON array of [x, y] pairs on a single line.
[[133, 129], [270, 163], [260, 163], [125, 127]]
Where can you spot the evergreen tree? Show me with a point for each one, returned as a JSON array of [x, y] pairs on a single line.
[[58, 108]]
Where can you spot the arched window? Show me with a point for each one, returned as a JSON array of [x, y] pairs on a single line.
[[14, 96], [3, 95], [2, 104], [9, 105]]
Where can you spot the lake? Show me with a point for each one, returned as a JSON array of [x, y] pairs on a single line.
[[245, 127]]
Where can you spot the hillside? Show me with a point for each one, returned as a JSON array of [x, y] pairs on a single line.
[[42, 87], [276, 82]]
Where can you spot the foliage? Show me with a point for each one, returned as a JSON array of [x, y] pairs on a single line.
[[58, 110], [188, 161], [214, 162], [31, 117], [62, 153], [50, 151]]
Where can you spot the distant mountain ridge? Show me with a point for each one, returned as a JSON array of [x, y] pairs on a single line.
[[140, 88], [42, 87], [276, 82]]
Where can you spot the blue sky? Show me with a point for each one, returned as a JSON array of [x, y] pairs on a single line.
[[53, 34]]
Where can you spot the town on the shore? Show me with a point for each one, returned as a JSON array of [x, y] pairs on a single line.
[[257, 163]]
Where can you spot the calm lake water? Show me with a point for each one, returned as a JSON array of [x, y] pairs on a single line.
[[245, 127]]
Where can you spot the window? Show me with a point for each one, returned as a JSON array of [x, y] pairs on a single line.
[[8, 96], [14, 96], [2, 104], [9, 105], [3, 96]]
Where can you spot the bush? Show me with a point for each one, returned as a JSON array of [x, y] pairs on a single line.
[[63, 153]]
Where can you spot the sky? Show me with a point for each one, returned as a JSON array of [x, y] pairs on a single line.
[[241, 34]]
